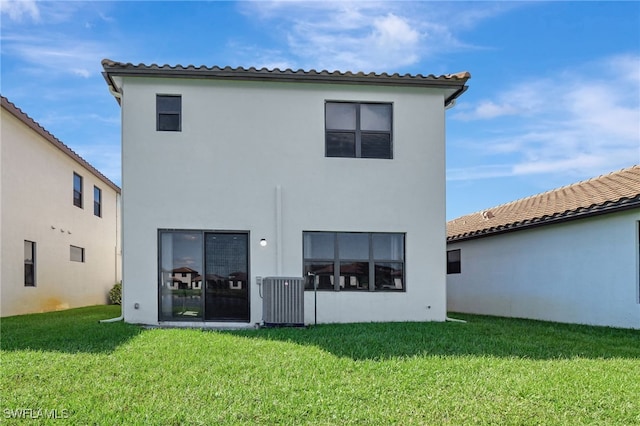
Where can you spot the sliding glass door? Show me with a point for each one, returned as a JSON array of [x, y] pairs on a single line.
[[203, 276]]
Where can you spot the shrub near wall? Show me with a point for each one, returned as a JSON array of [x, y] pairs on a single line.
[[115, 294]]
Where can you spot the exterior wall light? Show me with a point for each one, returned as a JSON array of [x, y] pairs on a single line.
[[263, 242]]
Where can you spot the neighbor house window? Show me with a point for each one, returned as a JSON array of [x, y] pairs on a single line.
[[169, 113], [77, 190], [453, 261], [361, 130], [97, 201], [354, 261], [77, 254], [29, 263]]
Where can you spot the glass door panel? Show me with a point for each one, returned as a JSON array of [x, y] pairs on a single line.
[[180, 276], [226, 276]]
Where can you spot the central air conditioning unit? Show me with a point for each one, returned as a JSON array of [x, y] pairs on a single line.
[[283, 301]]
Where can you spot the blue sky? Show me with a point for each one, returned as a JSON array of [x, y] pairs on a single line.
[[554, 96]]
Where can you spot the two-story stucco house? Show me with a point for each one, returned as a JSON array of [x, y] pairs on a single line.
[[60, 222], [567, 255], [287, 173]]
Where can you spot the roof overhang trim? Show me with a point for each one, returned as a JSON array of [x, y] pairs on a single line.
[[454, 84]]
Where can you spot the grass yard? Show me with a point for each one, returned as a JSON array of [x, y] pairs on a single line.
[[488, 371]]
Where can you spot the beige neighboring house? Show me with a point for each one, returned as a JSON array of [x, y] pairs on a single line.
[[567, 255], [60, 242]]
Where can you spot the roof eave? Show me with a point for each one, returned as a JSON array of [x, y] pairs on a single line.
[[453, 81]]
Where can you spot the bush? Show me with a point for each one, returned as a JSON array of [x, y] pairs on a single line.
[[115, 294]]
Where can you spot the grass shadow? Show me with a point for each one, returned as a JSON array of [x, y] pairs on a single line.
[[79, 330], [71, 331], [480, 336]]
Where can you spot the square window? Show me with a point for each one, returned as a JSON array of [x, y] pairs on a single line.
[[361, 130], [77, 254], [169, 113]]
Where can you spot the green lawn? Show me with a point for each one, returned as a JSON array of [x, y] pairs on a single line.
[[488, 371]]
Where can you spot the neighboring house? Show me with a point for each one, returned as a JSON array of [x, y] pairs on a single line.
[[567, 255], [290, 172], [184, 278], [60, 231]]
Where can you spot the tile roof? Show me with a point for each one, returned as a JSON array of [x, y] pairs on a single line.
[[35, 126], [456, 82], [612, 192]]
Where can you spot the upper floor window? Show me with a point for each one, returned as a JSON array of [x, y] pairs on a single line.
[[354, 261], [97, 201], [29, 263], [361, 130], [77, 190], [169, 113], [453, 262]]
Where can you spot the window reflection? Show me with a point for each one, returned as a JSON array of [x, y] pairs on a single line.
[[351, 261], [181, 281]]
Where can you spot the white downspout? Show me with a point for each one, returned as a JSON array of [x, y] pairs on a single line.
[[278, 230]]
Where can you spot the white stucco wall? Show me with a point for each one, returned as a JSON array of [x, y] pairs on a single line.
[[37, 205], [583, 271], [241, 140]]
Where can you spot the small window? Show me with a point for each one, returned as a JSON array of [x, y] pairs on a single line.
[[77, 254], [169, 113], [97, 201], [29, 263], [354, 261], [77, 190], [359, 130], [453, 262]]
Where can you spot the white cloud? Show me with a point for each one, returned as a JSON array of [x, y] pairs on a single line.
[[56, 53], [16, 10], [584, 122], [364, 36], [50, 46]]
